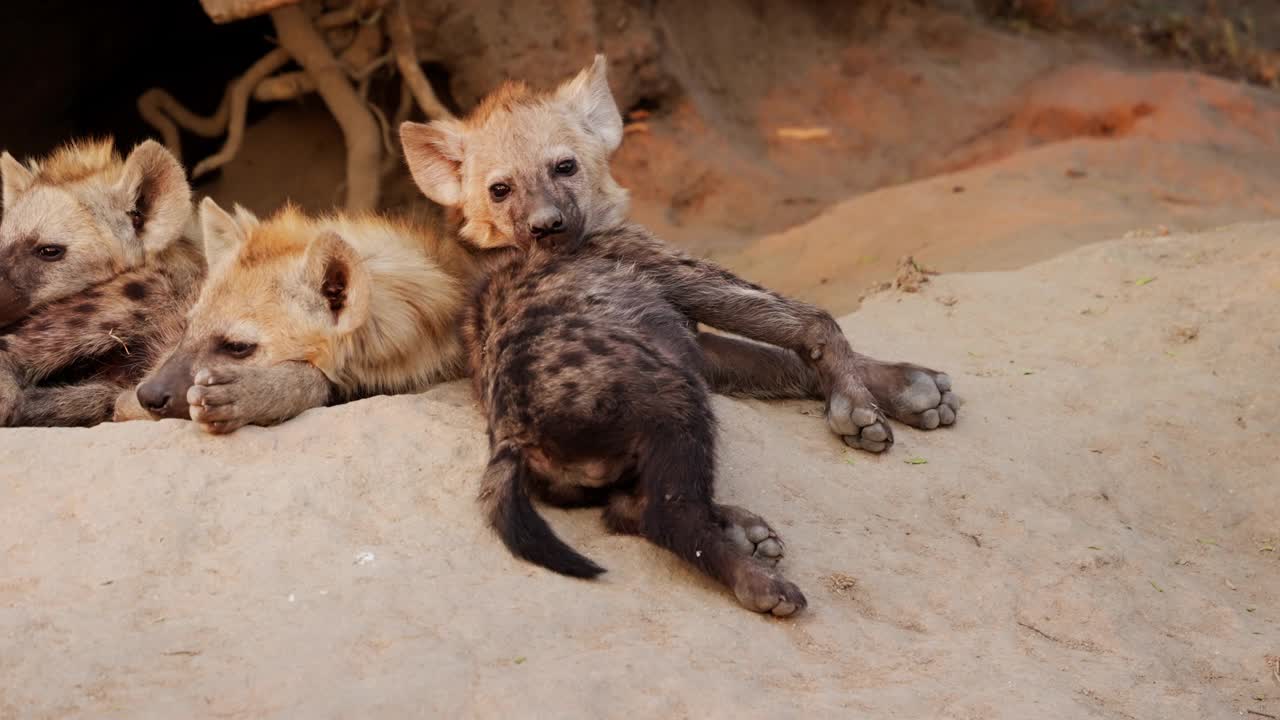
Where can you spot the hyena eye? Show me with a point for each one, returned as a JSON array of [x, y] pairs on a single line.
[[238, 350], [50, 253], [567, 167], [499, 191]]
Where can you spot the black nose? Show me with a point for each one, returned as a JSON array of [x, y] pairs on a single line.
[[154, 398], [543, 227]]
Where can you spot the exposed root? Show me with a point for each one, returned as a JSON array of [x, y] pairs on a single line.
[[345, 46], [164, 113], [239, 91], [402, 44], [302, 40]]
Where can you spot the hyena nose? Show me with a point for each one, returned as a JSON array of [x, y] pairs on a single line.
[[156, 399], [546, 222]]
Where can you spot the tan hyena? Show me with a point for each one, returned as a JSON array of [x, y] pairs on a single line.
[[96, 272], [585, 354], [298, 312]]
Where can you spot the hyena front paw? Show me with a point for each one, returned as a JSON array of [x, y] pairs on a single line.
[[219, 402], [751, 534], [763, 590], [911, 394], [852, 414]]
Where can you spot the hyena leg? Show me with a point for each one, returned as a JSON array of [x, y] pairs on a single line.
[[227, 398], [675, 511], [911, 394], [79, 405], [712, 295], [744, 368]]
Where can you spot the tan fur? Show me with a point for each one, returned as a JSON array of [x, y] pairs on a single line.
[[513, 135], [396, 329], [79, 160], [107, 214], [80, 329]]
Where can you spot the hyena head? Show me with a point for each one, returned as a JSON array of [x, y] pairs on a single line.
[[526, 167], [82, 216], [284, 289]]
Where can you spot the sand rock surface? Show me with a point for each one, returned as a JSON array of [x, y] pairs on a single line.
[[1097, 537]]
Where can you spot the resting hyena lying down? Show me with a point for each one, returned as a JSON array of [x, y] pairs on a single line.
[[298, 312], [584, 352], [96, 273]]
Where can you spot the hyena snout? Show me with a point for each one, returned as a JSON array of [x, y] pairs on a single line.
[[164, 394], [546, 221], [13, 304]]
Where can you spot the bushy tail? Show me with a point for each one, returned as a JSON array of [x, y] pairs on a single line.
[[505, 496]]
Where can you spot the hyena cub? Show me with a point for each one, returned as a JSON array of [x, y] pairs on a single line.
[[586, 364], [298, 312], [96, 272]]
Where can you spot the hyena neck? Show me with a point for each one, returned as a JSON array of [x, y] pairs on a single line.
[[410, 339]]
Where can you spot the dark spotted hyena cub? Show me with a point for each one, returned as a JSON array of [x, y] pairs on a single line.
[[589, 370]]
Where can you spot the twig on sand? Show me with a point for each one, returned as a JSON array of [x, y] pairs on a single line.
[[1262, 714]]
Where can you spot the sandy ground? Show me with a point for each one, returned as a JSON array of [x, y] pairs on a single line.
[[1097, 537]]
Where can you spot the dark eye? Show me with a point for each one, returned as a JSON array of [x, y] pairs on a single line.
[[499, 191], [50, 253], [135, 217], [567, 167], [238, 350]]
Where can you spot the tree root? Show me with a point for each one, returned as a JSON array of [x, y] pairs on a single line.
[[327, 68], [238, 92], [359, 128], [401, 35]]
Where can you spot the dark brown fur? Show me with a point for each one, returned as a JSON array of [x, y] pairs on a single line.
[[592, 380], [585, 354], [68, 362]]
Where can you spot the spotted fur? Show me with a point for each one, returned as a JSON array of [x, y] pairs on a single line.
[[583, 354], [79, 329]]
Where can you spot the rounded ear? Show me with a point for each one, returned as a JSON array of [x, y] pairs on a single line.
[[434, 152], [17, 179], [154, 185], [588, 97], [223, 234], [339, 275]]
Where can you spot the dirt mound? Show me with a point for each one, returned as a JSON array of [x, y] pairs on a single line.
[[1096, 537], [1195, 153]]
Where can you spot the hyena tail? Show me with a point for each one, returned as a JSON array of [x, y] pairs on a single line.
[[505, 495]]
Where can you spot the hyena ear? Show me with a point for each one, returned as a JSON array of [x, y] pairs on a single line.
[[17, 178], [155, 187], [246, 218], [588, 96], [337, 273], [434, 152], [222, 233]]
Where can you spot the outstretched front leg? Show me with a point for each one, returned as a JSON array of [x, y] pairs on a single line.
[[709, 294], [908, 393]]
